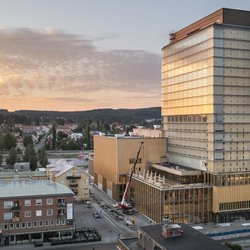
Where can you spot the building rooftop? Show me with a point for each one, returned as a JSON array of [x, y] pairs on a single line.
[[22, 174], [163, 183], [131, 136], [221, 16], [63, 165], [176, 169], [24, 188], [190, 239], [130, 243]]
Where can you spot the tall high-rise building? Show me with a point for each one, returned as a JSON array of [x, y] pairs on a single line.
[[206, 106], [205, 176]]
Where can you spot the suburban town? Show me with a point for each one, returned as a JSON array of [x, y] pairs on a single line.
[[169, 177]]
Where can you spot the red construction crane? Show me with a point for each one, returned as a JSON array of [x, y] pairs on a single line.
[[124, 204]]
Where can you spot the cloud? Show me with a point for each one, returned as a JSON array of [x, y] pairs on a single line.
[[63, 63]]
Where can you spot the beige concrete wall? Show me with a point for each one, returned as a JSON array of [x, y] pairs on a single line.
[[105, 157], [147, 132], [230, 194], [83, 183], [111, 155], [152, 150]]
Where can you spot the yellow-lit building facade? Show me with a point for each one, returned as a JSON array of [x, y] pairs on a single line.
[[74, 178], [206, 106], [114, 158]]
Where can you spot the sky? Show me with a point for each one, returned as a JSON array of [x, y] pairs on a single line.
[[72, 55]]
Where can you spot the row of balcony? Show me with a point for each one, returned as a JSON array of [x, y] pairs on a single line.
[[59, 215], [71, 177], [73, 184], [18, 208]]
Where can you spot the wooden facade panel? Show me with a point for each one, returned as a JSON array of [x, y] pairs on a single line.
[[206, 21], [229, 194], [113, 155], [221, 16]]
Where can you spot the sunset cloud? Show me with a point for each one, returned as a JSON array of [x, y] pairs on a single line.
[[68, 69]]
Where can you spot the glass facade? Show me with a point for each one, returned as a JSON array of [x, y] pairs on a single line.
[[207, 75], [160, 198], [187, 75]]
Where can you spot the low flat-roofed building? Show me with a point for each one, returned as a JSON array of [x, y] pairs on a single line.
[[151, 237], [114, 157], [5, 175], [178, 194], [34, 209]]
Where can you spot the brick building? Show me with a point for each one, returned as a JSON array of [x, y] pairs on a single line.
[[34, 209]]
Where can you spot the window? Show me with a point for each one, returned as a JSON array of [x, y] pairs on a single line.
[[50, 201], [61, 201], [63, 222], [17, 225], [39, 202], [38, 213], [23, 225], [46, 223], [49, 212], [27, 214], [57, 222], [34, 224], [11, 226], [27, 203], [40, 223], [8, 204], [7, 216], [29, 224], [132, 160], [52, 223], [5, 227]]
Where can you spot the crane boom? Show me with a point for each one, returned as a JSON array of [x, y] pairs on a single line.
[[124, 204]]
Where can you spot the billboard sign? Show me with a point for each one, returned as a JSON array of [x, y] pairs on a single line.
[[69, 211]]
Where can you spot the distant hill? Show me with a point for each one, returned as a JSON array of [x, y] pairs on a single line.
[[125, 116]]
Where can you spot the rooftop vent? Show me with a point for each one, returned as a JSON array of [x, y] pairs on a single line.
[[171, 230]]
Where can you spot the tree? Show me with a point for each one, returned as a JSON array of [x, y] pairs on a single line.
[[54, 137], [33, 163], [27, 140], [1, 143], [86, 137], [60, 121], [1, 158], [37, 121], [61, 135], [43, 158], [29, 151], [12, 157], [233, 246], [9, 141]]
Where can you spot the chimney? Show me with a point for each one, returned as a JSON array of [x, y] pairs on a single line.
[[171, 230]]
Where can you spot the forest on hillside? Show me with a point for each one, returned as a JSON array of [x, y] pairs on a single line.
[[124, 116]]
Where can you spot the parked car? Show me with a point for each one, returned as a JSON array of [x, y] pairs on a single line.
[[129, 222], [128, 211], [116, 205], [135, 211], [96, 215]]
